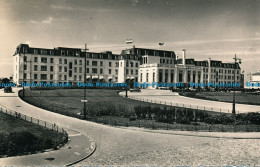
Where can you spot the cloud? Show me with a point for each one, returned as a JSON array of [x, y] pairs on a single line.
[[33, 22], [47, 20]]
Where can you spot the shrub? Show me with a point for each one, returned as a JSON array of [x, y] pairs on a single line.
[[220, 119]]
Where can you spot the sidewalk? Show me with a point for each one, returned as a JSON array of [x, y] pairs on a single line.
[[78, 148]]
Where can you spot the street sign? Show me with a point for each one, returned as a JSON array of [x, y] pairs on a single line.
[[84, 101]]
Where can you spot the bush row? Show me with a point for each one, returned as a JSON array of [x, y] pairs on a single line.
[[19, 143]]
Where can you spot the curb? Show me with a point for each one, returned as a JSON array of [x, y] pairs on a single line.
[[92, 146]]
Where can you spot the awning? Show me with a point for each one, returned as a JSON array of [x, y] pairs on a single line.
[[110, 77], [95, 77], [101, 77], [132, 77], [128, 77], [88, 76]]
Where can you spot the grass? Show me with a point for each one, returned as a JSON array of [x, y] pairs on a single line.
[[69, 100], [242, 98], [18, 137]]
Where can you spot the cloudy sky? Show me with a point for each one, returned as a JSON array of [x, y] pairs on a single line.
[[205, 28]]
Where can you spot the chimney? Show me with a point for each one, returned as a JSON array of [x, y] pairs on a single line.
[[183, 56], [209, 62]]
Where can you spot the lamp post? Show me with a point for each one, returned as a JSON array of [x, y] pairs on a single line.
[[234, 93], [85, 70]]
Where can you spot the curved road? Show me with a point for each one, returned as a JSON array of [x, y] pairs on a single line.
[[172, 98], [116, 146]]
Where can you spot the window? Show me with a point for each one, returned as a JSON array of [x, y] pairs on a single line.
[[80, 69], [136, 72], [70, 73], [87, 70], [110, 64], [65, 77], [60, 60], [132, 64], [80, 62], [35, 59], [117, 64], [51, 60], [60, 68], [141, 77], [43, 76], [65, 69], [25, 58], [25, 67], [87, 62], [51, 76], [126, 71], [35, 67], [147, 77], [153, 76], [101, 63], [51, 68], [75, 69], [109, 71], [44, 60], [101, 71], [24, 75], [136, 64], [65, 61], [127, 64], [35, 76], [75, 77], [80, 78], [70, 65], [43, 68], [132, 71], [60, 76], [94, 70], [94, 63], [75, 61], [116, 71]]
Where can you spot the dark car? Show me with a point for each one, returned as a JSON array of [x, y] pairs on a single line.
[[135, 90]]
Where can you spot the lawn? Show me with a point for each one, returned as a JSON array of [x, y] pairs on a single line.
[[70, 99], [18, 137], [242, 98]]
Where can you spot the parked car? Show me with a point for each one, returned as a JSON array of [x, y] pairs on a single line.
[[135, 90], [8, 89]]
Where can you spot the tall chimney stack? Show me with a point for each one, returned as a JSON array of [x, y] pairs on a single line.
[[183, 56]]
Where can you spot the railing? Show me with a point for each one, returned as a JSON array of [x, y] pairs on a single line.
[[36, 121], [152, 124]]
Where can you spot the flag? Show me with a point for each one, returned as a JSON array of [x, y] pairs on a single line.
[[161, 43], [129, 41]]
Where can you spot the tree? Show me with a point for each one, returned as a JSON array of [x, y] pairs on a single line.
[[5, 80]]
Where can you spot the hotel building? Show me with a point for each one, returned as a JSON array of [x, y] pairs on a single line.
[[67, 65]]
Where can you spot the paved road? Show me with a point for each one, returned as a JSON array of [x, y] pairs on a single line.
[[117, 146], [172, 98]]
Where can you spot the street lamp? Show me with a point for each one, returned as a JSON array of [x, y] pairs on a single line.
[[85, 75], [234, 94]]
